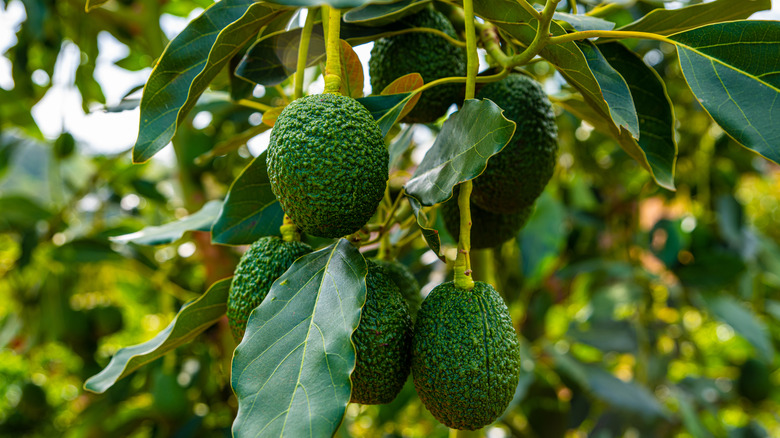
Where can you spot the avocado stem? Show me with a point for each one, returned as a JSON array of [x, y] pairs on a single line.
[[332, 17], [463, 279], [289, 230], [303, 52]]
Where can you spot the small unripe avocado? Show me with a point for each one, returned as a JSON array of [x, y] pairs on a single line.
[[265, 261], [383, 341], [488, 229], [430, 55], [465, 355], [517, 175], [407, 284], [327, 163]]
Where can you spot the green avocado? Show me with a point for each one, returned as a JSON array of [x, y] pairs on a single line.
[[383, 341], [517, 175], [754, 382], [430, 55], [465, 355], [327, 163], [264, 262], [488, 229], [407, 284]]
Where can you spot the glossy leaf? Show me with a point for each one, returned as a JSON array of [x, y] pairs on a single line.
[[351, 72], [377, 14], [250, 210], [613, 87], [386, 109], [291, 370], [271, 60], [584, 22], [734, 71], [743, 321], [405, 84], [188, 65], [668, 21], [202, 220], [338, 4], [461, 150], [193, 318], [425, 222], [400, 144], [655, 111]]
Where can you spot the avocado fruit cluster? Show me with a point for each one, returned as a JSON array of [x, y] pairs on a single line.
[[465, 355], [265, 261], [382, 341], [327, 164], [426, 53]]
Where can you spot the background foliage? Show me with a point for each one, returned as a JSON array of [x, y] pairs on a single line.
[[643, 312]]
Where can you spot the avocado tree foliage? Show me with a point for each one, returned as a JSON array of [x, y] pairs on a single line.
[[609, 307]]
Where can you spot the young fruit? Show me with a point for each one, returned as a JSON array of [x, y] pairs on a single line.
[[264, 262], [465, 355], [430, 55], [517, 175], [327, 163], [407, 284], [382, 341]]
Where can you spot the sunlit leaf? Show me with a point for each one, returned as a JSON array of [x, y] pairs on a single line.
[[270, 116], [193, 318], [743, 321], [160, 234], [461, 150], [668, 21], [189, 64], [377, 14], [584, 22], [92, 4], [291, 370], [405, 84], [250, 210], [272, 59], [351, 72], [734, 71]]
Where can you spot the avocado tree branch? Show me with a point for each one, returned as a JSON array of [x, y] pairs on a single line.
[[530, 9], [254, 105], [574, 36], [303, 52], [437, 32], [333, 50], [540, 39]]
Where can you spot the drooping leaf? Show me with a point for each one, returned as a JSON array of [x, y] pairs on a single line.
[[734, 71], [400, 144], [351, 72], [338, 4], [188, 65], [250, 210], [92, 4], [743, 321], [377, 14], [272, 59], [193, 318], [386, 109], [291, 370], [202, 220], [584, 22], [429, 232], [461, 150], [655, 111], [613, 87], [668, 21], [405, 84]]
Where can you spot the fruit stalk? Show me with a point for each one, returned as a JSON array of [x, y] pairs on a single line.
[[333, 50], [303, 52], [289, 230]]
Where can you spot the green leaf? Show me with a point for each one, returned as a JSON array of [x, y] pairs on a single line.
[[582, 23], [338, 4], [461, 150], [400, 144], [20, 213], [613, 87], [193, 318], [654, 109], [386, 109], [291, 370], [92, 4], [425, 221], [743, 321], [251, 210], [272, 59], [668, 21], [160, 234], [734, 71], [542, 238], [188, 65], [378, 14]]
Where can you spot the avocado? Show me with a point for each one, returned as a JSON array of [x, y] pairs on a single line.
[[407, 284], [488, 229], [465, 355], [383, 341], [517, 175], [265, 261], [328, 164], [754, 382], [430, 55]]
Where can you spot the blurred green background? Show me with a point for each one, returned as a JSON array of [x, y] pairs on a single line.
[[642, 312]]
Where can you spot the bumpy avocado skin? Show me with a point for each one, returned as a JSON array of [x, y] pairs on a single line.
[[425, 53], [488, 229], [265, 261], [383, 341], [517, 175], [407, 284], [465, 355], [327, 163]]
